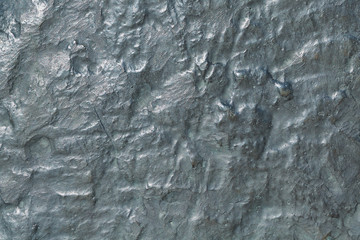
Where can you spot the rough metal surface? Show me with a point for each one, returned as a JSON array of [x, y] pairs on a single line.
[[179, 119]]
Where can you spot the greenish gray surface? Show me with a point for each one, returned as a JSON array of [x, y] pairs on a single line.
[[179, 119]]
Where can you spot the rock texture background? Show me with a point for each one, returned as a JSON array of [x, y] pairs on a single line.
[[155, 119]]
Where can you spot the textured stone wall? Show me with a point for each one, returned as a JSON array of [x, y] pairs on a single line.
[[179, 119]]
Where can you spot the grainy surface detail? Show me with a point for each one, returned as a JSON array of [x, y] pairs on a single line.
[[179, 119]]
